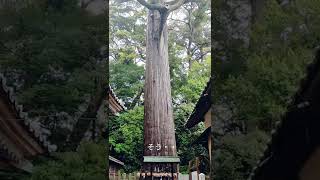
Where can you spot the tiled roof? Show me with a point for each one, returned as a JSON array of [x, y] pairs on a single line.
[[116, 160], [118, 102], [31, 126]]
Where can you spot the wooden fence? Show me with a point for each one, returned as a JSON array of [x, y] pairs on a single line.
[[136, 176], [124, 176]]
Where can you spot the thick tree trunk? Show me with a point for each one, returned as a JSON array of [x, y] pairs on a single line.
[[159, 134]]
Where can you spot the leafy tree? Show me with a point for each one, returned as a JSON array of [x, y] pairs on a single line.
[[126, 137], [127, 80], [127, 51], [197, 78]]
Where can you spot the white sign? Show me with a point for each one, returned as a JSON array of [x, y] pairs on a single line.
[[150, 147], [158, 147]]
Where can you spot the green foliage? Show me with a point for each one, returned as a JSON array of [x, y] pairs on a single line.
[[126, 137], [12, 175], [126, 53], [177, 70], [292, 27], [197, 78], [275, 63], [238, 154], [51, 53], [127, 80], [185, 97], [49, 43], [88, 163], [261, 94], [184, 137], [48, 97], [281, 45]]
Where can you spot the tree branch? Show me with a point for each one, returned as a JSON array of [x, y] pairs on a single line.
[[136, 99], [151, 6], [170, 6], [140, 52]]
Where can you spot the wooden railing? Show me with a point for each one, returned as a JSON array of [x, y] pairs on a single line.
[[136, 176], [124, 176]]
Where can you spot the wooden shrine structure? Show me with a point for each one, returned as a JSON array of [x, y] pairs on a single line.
[[202, 113], [115, 106], [114, 103], [20, 137], [114, 166], [294, 150]]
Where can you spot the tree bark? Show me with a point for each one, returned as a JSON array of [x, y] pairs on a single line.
[[158, 115]]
